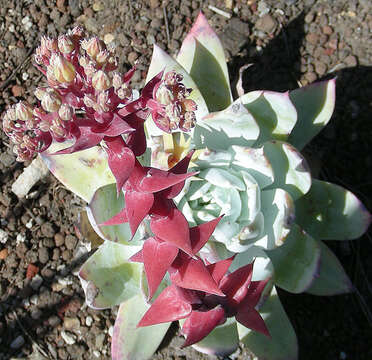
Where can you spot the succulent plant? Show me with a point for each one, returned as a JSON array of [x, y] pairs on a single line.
[[207, 247]]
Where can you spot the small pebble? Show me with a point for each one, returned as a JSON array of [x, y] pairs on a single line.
[[69, 338], [36, 282], [17, 343]]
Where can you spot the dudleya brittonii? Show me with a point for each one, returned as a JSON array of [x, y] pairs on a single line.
[[246, 168]]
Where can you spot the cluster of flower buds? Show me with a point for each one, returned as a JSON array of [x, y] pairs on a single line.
[[174, 110]]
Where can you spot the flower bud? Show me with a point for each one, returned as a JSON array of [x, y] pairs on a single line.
[[164, 95], [30, 142], [51, 101], [23, 111], [44, 125], [102, 57], [76, 33], [65, 112], [93, 46], [58, 131], [117, 80], [101, 81], [63, 70], [40, 92], [65, 44], [89, 100]]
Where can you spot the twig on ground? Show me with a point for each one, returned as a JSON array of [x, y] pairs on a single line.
[[38, 347], [166, 24], [14, 73], [239, 84], [219, 11]]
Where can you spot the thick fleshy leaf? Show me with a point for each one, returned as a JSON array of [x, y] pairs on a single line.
[[291, 171], [70, 169], [108, 278], [296, 262], [274, 113], [138, 205], [162, 61], [157, 258], [173, 229], [279, 214], [120, 159], [105, 205], [232, 126], [203, 57], [329, 211], [117, 127], [282, 344], [190, 273], [157, 180], [219, 269], [331, 278], [255, 162], [222, 341], [86, 140], [251, 318], [128, 340], [200, 323], [200, 234], [314, 104], [170, 305]]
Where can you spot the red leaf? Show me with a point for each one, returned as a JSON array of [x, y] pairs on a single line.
[[84, 141], [170, 305], [137, 257], [199, 324], [173, 229], [235, 285], [250, 318], [179, 168], [219, 269], [138, 205], [157, 258], [190, 273], [117, 127], [200, 234], [254, 292]]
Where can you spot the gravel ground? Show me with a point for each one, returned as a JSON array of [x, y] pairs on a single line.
[[290, 43]]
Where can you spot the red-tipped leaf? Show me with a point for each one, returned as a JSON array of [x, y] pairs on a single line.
[[250, 318], [200, 234], [219, 269], [119, 218]]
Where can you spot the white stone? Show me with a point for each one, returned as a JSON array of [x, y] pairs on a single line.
[[20, 238], [111, 330], [36, 282], [69, 338], [3, 236], [88, 321]]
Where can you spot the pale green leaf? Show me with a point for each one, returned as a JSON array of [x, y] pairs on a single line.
[[82, 172], [331, 278], [108, 278], [314, 104], [329, 211], [283, 343], [296, 262], [203, 57], [130, 342]]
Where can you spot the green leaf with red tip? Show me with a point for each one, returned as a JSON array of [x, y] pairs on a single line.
[[274, 113], [314, 104], [282, 344], [104, 205], [128, 340], [296, 262], [203, 57], [222, 341], [329, 211], [173, 229], [331, 278], [162, 61], [82, 172], [232, 126], [108, 278]]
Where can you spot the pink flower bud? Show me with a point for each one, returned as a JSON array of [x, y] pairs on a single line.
[[40, 92], [65, 44], [89, 100], [23, 111], [117, 80], [76, 33], [164, 95], [93, 46], [102, 57], [101, 81], [44, 125], [63, 70], [51, 101], [65, 112]]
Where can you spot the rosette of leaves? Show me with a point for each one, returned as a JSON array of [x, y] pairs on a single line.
[[250, 171]]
